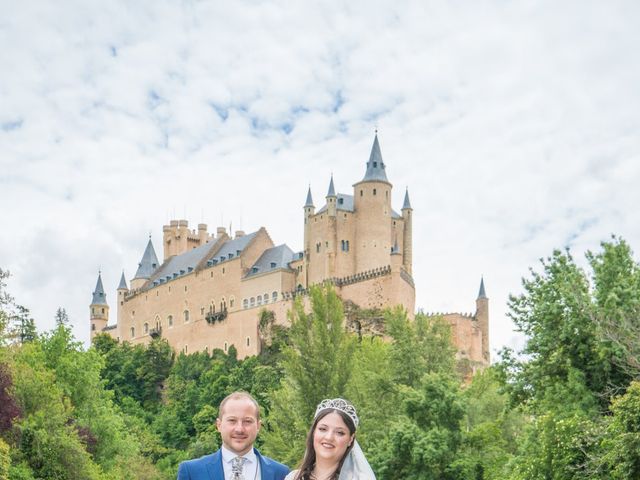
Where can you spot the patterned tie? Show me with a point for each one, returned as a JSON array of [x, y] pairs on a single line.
[[236, 468]]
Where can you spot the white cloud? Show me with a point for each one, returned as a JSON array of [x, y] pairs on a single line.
[[515, 127]]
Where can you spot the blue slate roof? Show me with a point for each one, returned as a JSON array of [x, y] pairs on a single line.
[[272, 259], [123, 283], [482, 293], [375, 166], [149, 262], [186, 262], [407, 203], [99, 297], [309, 202], [332, 190]]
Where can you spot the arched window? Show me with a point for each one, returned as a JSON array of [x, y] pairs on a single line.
[[226, 346], [265, 297], [146, 328], [274, 297], [231, 302], [170, 320], [245, 303], [186, 316], [212, 306], [252, 302], [133, 332], [259, 300]]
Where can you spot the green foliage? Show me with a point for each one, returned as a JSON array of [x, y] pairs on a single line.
[[317, 365]]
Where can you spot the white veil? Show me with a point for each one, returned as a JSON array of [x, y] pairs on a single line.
[[355, 466]]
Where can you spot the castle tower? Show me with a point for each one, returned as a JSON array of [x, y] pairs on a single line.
[[148, 264], [482, 316], [99, 309], [309, 211], [372, 208], [407, 248], [332, 231], [122, 291]]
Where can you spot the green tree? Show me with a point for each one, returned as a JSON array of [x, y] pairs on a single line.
[[317, 365], [23, 325], [61, 317]]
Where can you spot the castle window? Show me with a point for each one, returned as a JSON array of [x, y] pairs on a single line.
[[254, 270], [230, 256], [186, 316], [231, 302], [340, 201], [133, 313], [202, 311], [226, 346], [103, 310], [259, 301], [93, 311], [361, 193], [273, 264], [274, 296], [146, 328], [266, 298], [223, 271], [170, 320], [186, 349], [157, 293], [375, 164], [133, 332], [93, 326], [212, 306], [386, 193], [252, 302], [248, 341], [374, 191], [245, 303], [185, 288], [211, 275], [318, 247]]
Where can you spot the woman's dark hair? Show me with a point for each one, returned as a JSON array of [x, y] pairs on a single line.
[[309, 461]]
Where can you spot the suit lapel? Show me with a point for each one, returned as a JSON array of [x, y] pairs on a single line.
[[265, 472], [214, 467]]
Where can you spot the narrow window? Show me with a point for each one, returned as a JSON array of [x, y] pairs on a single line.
[[274, 296], [93, 326], [360, 192], [170, 320], [133, 332], [248, 341], [186, 316], [202, 311], [245, 303], [374, 191], [103, 310], [225, 346], [185, 288], [231, 302], [265, 297], [259, 300], [252, 302], [146, 328]]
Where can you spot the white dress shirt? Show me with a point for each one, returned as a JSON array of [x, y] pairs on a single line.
[[250, 469]]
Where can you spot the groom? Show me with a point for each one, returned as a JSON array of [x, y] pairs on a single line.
[[238, 423]]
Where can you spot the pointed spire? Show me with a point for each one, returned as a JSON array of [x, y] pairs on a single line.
[[332, 190], [149, 262], [375, 165], [407, 203], [123, 283], [99, 297], [481, 293], [309, 202]]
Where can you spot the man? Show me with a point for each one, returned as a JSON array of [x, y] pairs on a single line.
[[238, 423]]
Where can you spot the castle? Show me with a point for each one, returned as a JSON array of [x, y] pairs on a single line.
[[209, 289]]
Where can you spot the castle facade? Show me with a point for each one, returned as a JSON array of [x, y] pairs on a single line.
[[209, 289]]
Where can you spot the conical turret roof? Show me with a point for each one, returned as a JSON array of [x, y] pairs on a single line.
[[332, 190], [375, 165], [149, 262], [482, 293], [309, 202], [123, 283], [99, 297], [407, 203]]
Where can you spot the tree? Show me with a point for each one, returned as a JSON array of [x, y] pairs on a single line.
[[317, 365], [61, 317], [23, 325]]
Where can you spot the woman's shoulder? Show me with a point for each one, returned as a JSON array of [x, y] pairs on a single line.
[[291, 475]]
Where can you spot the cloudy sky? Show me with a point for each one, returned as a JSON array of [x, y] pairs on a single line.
[[515, 126]]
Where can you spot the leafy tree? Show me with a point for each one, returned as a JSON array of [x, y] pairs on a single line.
[[23, 325], [317, 365], [61, 317]]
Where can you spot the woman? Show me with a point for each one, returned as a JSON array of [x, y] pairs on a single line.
[[332, 450]]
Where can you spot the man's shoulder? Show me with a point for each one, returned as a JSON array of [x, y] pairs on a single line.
[[273, 464], [204, 460]]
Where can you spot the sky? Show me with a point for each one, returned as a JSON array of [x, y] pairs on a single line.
[[514, 125]]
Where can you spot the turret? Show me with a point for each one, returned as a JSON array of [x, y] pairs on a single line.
[[331, 199], [309, 211], [482, 316], [148, 264], [99, 310], [122, 291], [372, 208], [407, 248]]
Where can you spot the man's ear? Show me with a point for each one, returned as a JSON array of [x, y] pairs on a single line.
[[218, 422]]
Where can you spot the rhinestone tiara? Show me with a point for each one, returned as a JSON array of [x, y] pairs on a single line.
[[338, 404]]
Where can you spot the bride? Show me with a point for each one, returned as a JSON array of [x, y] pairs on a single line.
[[332, 450]]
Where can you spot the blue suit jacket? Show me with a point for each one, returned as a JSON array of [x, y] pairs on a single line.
[[209, 467]]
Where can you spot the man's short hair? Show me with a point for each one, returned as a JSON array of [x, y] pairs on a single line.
[[238, 396]]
